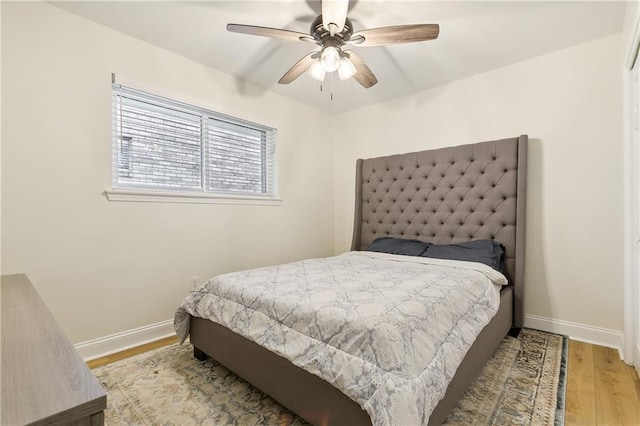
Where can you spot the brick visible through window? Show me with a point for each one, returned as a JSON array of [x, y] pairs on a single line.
[[162, 144]]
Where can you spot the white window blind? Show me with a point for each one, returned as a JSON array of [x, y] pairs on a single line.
[[162, 144]]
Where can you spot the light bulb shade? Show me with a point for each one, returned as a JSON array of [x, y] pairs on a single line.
[[330, 59], [334, 14], [316, 71], [346, 69]]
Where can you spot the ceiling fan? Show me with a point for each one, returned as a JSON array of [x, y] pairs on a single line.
[[332, 31]]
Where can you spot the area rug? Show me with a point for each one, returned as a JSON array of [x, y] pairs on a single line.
[[522, 384]]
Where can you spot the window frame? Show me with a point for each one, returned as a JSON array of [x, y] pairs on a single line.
[[203, 195]]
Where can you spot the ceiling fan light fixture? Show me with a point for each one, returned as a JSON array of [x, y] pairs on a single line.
[[334, 14], [332, 30], [346, 69], [316, 71], [330, 59]]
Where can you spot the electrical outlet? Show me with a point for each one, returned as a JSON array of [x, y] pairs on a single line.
[[193, 283]]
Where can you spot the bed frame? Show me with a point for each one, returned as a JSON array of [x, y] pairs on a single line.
[[446, 195]]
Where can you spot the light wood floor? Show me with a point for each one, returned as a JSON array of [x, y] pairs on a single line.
[[601, 389], [99, 362]]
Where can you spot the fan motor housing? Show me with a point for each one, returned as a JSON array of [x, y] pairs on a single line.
[[319, 32]]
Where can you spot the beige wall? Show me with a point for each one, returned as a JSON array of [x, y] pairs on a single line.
[[629, 25], [105, 267], [632, 289], [0, 141], [570, 104]]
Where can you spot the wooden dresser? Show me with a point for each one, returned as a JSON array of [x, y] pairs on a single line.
[[43, 379]]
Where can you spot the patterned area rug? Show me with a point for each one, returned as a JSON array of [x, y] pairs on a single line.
[[522, 384]]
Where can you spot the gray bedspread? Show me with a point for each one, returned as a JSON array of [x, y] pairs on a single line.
[[389, 331]]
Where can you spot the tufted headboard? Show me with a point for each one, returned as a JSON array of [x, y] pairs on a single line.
[[449, 195]]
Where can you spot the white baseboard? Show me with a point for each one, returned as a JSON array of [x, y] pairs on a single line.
[[636, 358], [102, 346], [581, 332], [96, 348]]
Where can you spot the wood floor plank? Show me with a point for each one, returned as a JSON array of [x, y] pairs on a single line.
[[581, 364], [608, 359], [636, 382], [580, 399], [616, 400], [616, 391], [99, 362]]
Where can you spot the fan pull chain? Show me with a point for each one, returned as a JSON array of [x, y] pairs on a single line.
[[331, 84]]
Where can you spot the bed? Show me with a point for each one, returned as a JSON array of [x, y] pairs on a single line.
[[441, 196]]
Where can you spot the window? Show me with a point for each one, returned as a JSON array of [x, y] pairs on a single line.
[[165, 145]]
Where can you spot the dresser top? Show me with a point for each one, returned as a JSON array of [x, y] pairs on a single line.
[[43, 378]]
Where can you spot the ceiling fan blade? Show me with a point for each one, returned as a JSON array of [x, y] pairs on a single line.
[[396, 34], [334, 15], [363, 74], [298, 68], [269, 32], [355, 39]]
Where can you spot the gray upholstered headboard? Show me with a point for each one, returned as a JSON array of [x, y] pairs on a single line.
[[449, 195]]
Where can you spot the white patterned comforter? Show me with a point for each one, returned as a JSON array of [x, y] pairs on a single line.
[[389, 331]]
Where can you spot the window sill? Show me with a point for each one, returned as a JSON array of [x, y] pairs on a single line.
[[137, 195]]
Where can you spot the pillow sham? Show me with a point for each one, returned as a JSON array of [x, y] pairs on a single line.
[[489, 252], [398, 246]]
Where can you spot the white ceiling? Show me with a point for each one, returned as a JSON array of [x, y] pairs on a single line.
[[475, 37]]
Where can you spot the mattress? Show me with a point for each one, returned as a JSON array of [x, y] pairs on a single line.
[[388, 331]]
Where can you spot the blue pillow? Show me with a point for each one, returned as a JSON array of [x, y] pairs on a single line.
[[398, 246], [489, 252]]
